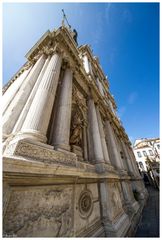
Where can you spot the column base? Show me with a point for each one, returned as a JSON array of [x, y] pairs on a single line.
[[109, 166], [117, 228], [100, 168], [62, 147], [31, 134]]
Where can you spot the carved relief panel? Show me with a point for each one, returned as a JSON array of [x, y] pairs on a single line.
[[116, 199], [87, 208], [40, 212]]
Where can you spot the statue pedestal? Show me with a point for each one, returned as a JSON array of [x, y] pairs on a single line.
[[78, 151]]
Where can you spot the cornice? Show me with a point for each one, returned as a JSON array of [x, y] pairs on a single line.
[[39, 44]]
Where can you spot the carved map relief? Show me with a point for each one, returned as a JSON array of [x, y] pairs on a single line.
[[116, 200], [40, 212]]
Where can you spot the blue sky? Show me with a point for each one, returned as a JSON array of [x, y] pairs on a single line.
[[125, 37]]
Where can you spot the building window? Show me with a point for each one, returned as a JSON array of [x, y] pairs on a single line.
[[150, 152], [158, 146], [145, 153], [139, 154], [141, 166]]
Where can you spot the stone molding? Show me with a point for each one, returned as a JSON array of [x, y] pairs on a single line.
[[38, 152]]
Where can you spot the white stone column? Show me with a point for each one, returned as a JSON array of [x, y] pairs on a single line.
[[61, 133], [13, 89], [102, 135], [112, 147], [38, 117], [26, 108], [97, 145], [16, 106]]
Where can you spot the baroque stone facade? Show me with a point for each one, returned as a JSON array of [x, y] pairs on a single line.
[[68, 166]]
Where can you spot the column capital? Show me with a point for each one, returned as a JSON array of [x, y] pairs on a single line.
[[36, 57], [50, 50], [68, 62]]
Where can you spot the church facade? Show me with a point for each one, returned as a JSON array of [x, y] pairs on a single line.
[[68, 166]]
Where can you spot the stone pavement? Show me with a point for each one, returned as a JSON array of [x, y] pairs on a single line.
[[149, 225]]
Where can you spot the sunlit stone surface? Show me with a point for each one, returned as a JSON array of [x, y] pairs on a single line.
[[69, 170]]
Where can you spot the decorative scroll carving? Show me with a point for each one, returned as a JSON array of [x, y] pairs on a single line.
[[40, 212]]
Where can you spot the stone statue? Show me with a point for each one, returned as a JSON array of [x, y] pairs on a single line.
[[75, 36], [76, 129]]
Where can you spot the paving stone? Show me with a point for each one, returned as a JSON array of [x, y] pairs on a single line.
[[149, 225]]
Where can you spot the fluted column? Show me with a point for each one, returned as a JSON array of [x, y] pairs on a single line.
[[97, 145], [63, 116], [16, 106], [13, 89], [26, 108], [102, 135], [37, 120], [112, 147]]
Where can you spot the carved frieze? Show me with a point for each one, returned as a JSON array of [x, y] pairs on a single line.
[[40, 212], [40, 153]]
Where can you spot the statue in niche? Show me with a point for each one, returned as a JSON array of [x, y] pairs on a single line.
[[76, 128]]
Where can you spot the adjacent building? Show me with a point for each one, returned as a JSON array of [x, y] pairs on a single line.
[[68, 166], [147, 153]]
